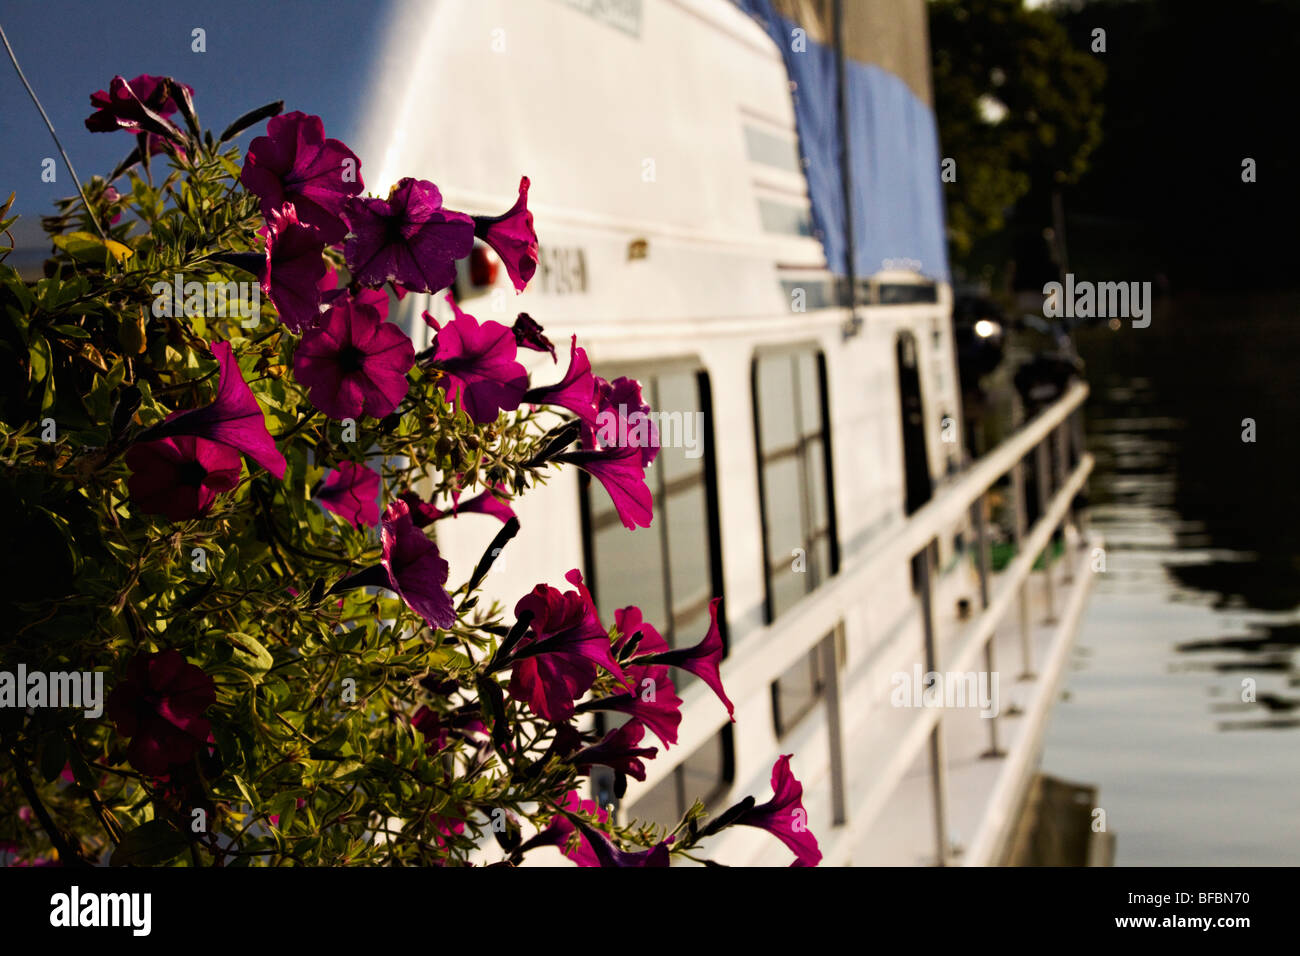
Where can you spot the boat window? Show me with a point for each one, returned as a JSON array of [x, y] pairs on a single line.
[[784, 218], [779, 152], [796, 692], [800, 550], [705, 775], [672, 569], [809, 294], [906, 293]]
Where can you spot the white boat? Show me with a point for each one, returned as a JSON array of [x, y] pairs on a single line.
[[829, 501]]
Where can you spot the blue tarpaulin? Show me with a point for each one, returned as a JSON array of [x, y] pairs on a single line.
[[893, 148]]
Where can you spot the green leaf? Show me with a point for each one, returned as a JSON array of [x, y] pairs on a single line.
[[149, 844], [87, 247], [249, 654], [249, 793], [54, 755], [330, 747], [38, 353]]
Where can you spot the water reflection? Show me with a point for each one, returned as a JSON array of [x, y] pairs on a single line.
[[1181, 701]]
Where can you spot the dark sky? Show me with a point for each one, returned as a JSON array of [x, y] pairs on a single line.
[[316, 55]]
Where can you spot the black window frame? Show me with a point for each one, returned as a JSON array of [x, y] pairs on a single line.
[[662, 490]]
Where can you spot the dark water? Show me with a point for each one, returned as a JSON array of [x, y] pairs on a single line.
[[1200, 600]]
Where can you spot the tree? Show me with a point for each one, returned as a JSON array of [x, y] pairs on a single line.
[[1017, 105]]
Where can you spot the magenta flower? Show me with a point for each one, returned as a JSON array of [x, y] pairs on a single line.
[[528, 335], [486, 502], [295, 268], [622, 474], [479, 373], [576, 391], [784, 816], [351, 491], [180, 477], [702, 660], [619, 751], [294, 163], [159, 705], [560, 829], [652, 699], [111, 197], [555, 662], [408, 239], [234, 418], [141, 105], [416, 571], [446, 828], [430, 726], [622, 419], [354, 362], [513, 238], [630, 622], [608, 855]]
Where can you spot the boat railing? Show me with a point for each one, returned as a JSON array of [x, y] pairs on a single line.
[[1051, 443]]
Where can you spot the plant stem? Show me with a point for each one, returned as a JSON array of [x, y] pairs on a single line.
[[67, 854]]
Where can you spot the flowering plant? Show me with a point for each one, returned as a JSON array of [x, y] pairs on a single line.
[[224, 508]]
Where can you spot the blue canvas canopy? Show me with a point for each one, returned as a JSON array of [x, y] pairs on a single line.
[[892, 145]]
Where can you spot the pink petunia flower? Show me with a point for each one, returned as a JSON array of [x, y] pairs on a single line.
[[607, 854], [513, 238], [295, 164], [561, 828], [233, 418], [479, 372], [295, 268], [555, 662], [618, 751], [622, 419], [416, 571], [179, 478], [622, 474], [159, 705], [351, 491], [630, 622], [653, 698], [354, 362], [784, 815], [408, 239], [576, 391], [431, 727], [702, 660], [486, 502]]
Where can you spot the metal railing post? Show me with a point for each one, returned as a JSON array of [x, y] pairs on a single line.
[[1062, 435], [835, 726], [984, 563], [1080, 448], [938, 762], [1042, 471], [1018, 503]]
